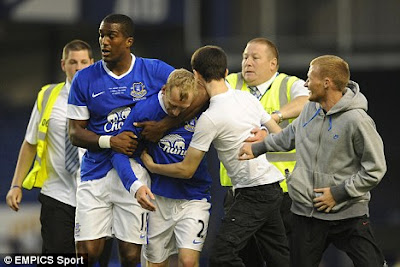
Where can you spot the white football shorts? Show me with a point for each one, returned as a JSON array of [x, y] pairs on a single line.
[[176, 223], [106, 209]]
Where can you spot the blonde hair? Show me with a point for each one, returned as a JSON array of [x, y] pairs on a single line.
[[184, 81], [333, 67]]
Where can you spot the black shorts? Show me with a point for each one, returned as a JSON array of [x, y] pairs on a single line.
[[58, 220]]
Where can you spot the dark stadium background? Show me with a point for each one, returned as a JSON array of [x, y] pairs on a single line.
[[365, 33]]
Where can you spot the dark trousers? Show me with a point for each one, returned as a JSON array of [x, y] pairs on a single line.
[[311, 237], [251, 254], [58, 220], [254, 212]]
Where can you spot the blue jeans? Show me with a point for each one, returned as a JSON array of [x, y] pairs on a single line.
[[255, 211]]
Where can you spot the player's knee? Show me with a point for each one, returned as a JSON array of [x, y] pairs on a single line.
[[129, 253], [188, 262], [188, 258], [130, 259], [90, 250]]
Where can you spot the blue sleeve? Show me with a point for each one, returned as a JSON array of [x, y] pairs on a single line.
[[123, 167], [121, 161]]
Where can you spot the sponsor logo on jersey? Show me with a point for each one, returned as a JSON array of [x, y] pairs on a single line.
[[116, 118], [138, 90], [173, 144]]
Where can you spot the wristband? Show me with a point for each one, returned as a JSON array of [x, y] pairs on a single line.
[[15, 186], [104, 141]]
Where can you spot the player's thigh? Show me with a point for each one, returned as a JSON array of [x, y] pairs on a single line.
[[94, 210], [161, 239], [129, 219], [192, 226]]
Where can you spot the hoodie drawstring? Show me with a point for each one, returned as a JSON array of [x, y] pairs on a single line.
[[316, 113]]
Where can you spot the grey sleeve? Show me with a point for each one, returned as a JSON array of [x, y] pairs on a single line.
[[258, 148]]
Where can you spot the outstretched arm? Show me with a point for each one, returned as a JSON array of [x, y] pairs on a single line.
[[259, 134], [292, 109]]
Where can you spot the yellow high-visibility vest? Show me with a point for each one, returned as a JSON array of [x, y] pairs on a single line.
[[45, 102], [275, 97]]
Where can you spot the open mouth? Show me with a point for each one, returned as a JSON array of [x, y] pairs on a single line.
[[105, 52]]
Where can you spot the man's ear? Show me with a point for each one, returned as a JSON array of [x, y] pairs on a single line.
[[196, 74], [130, 41], [226, 73], [327, 82], [274, 63], [63, 65]]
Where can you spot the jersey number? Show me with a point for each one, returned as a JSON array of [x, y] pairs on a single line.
[[200, 234]]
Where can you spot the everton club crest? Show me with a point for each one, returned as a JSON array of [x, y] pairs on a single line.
[[189, 125], [138, 90]]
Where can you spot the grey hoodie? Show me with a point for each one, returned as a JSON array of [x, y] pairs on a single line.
[[340, 149]]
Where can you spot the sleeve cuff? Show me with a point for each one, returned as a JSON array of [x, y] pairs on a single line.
[[339, 193], [135, 186], [258, 149]]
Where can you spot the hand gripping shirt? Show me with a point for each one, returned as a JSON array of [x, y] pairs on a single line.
[[170, 149], [105, 100]]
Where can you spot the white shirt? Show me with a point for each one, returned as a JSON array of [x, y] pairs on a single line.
[[226, 124], [297, 89], [60, 185]]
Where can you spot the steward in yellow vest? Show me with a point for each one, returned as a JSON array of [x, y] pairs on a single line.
[[45, 102]]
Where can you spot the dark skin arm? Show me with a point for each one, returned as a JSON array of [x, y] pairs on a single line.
[[125, 142], [154, 130]]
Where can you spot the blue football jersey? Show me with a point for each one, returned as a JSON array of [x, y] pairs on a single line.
[[105, 100], [170, 149]]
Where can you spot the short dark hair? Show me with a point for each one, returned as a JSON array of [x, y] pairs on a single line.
[[77, 45], [272, 47], [127, 25], [210, 62]]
